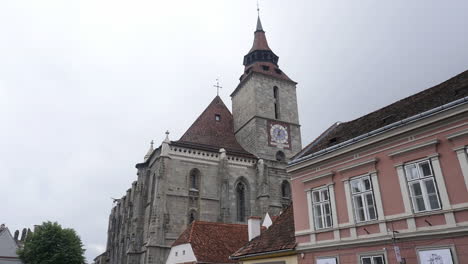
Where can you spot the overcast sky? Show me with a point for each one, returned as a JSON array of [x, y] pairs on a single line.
[[86, 85]]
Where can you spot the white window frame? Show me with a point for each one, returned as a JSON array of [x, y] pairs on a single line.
[[372, 258], [421, 179], [451, 248], [321, 204], [363, 195]]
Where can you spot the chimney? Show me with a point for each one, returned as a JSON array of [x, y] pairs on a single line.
[[254, 226]]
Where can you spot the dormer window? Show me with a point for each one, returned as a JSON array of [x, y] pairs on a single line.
[[278, 71], [218, 117], [265, 68]]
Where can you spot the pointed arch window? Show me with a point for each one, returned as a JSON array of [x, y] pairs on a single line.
[[194, 179], [286, 190], [276, 102], [241, 201]]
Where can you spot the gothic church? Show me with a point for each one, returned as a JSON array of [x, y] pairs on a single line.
[[225, 168]]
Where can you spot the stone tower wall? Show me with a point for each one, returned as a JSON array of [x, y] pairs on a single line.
[[251, 114]]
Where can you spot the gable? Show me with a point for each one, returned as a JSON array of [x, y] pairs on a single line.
[[182, 253], [8, 245]]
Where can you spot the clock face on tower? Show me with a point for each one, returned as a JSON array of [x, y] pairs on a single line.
[[278, 134]]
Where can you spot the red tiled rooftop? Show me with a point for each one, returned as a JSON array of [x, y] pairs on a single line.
[[214, 242], [279, 236]]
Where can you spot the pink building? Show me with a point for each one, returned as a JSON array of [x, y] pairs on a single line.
[[388, 187]]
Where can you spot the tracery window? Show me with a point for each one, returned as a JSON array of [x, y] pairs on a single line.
[[194, 179], [241, 190]]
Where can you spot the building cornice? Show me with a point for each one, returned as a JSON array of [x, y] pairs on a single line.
[[429, 117], [414, 147]]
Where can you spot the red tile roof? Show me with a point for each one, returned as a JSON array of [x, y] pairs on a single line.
[[279, 237], [211, 134], [446, 92], [213, 242]]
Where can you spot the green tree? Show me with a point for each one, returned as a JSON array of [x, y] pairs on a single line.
[[52, 244]]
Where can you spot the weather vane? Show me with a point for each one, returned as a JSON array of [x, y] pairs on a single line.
[[258, 9], [217, 86]]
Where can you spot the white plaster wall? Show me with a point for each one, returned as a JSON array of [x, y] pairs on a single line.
[[7, 245], [189, 256]]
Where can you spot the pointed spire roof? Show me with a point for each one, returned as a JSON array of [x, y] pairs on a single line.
[[259, 24], [150, 150], [213, 129], [260, 42]]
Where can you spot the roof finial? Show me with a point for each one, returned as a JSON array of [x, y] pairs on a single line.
[[258, 9], [259, 23], [217, 86]]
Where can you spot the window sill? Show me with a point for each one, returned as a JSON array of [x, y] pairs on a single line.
[[324, 230], [426, 213], [365, 223]]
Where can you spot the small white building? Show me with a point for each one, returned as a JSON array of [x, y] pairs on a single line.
[[208, 242]]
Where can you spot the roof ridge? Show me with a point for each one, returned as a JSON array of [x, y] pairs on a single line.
[[191, 231], [219, 223], [409, 96], [448, 91]]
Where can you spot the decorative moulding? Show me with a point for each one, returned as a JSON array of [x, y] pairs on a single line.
[[460, 148], [318, 177], [414, 147], [356, 165], [458, 134]]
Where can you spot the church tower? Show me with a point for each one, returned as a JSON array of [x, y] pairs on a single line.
[[264, 105]]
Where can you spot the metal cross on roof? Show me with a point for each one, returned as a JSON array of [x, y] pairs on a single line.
[[217, 86]]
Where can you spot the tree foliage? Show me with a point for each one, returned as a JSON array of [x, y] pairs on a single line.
[[52, 244]]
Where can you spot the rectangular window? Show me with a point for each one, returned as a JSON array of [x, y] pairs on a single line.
[[321, 208], [363, 199], [379, 259], [429, 256], [422, 186]]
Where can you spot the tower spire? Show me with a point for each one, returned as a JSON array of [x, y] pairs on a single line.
[[260, 57], [259, 22]]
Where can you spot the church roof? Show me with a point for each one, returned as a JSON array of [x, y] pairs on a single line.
[[441, 94], [213, 130], [278, 237], [213, 242]]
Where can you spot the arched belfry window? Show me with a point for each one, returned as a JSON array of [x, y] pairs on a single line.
[[194, 179], [276, 102], [286, 190], [241, 201]]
